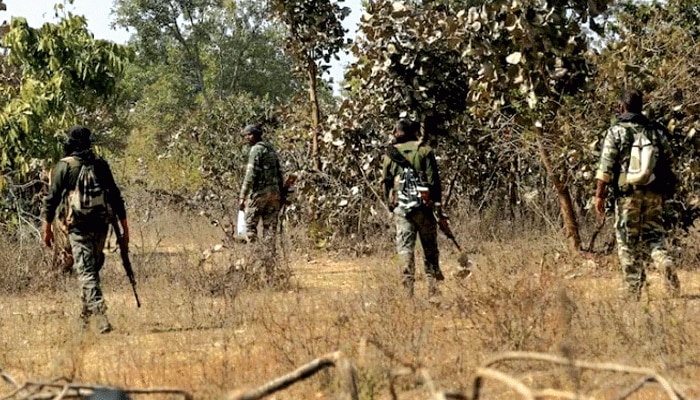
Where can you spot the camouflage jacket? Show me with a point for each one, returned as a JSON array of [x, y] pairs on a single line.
[[424, 162], [263, 170], [64, 177], [615, 154]]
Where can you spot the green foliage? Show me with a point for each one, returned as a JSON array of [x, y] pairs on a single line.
[[315, 34], [57, 75], [65, 77], [210, 49], [206, 150], [201, 68], [315, 28], [656, 50]]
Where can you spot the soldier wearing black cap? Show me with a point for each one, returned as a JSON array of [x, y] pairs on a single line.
[[87, 231]]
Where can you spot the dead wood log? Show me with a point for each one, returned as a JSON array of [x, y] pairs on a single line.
[[651, 375], [346, 373]]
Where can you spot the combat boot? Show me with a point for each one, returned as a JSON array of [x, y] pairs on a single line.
[[103, 325]]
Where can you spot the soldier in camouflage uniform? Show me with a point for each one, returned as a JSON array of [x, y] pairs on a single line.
[[261, 194], [420, 221], [638, 208], [87, 237]]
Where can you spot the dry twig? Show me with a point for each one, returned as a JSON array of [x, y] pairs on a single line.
[[345, 369], [651, 375]]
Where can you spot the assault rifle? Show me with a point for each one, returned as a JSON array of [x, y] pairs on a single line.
[[124, 252]]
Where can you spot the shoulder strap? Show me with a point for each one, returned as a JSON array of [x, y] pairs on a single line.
[[396, 156], [73, 162]]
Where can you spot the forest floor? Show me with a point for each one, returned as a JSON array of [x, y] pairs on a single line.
[[197, 332]]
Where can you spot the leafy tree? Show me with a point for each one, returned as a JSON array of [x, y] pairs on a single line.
[[160, 24], [510, 65], [315, 35], [211, 48], [65, 76], [196, 61], [57, 76], [655, 49]]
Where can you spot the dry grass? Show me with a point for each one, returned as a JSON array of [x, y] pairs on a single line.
[[201, 331]]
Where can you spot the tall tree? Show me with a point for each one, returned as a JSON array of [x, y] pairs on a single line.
[[315, 35], [160, 24]]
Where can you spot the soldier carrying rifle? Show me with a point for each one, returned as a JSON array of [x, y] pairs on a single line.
[[413, 191], [84, 184]]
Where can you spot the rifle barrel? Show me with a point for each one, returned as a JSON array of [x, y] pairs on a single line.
[[124, 253]]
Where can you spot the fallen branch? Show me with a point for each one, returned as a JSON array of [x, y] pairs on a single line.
[[636, 387], [345, 369], [504, 378], [652, 376]]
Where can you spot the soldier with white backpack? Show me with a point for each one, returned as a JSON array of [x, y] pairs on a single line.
[[84, 185], [636, 166]]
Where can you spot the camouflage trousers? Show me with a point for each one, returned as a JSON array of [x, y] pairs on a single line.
[[263, 207], [88, 256], [420, 223], [639, 228]]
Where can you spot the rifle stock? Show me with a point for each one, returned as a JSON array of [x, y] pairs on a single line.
[[124, 252]]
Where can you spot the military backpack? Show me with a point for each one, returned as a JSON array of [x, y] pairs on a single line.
[[644, 154], [87, 200]]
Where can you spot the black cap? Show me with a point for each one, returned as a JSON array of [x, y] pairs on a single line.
[[254, 129], [80, 134]]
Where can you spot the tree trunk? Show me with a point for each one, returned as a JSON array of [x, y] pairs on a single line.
[[565, 203], [315, 113]]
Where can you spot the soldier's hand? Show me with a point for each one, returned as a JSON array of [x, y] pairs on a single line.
[[48, 235], [439, 212], [600, 208], [125, 231]]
